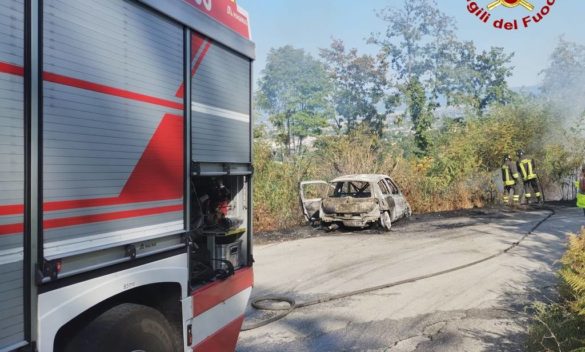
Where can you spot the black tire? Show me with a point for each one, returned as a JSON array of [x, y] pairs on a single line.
[[126, 328]]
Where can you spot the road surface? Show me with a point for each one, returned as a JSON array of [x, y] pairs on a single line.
[[481, 308]]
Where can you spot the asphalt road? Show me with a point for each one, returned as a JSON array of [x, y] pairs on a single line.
[[481, 308]]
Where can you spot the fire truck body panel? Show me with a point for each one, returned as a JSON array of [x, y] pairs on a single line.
[[115, 156], [112, 125], [220, 105], [11, 174]]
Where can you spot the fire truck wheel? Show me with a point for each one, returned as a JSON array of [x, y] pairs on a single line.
[[126, 328]]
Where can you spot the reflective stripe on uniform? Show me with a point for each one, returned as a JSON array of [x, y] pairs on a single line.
[[508, 181], [581, 200], [527, 169], [580, 197]]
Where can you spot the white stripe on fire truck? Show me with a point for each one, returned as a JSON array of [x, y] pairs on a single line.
[[57, 214], [207, 323], [211, 110], [74, 246]]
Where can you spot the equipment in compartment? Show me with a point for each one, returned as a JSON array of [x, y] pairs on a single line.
[[218, 213], [227, 249], [213, 205]]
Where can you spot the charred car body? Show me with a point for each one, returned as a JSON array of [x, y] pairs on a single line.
[[354, 201]]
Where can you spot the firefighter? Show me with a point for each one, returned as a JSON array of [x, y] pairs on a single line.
[[527, 169], [580, 184], [510, 177]]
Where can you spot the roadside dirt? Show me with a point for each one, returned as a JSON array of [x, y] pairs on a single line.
[[416, 223]]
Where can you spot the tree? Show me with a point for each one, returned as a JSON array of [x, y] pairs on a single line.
[[432, 64], [420, 112], [293, 90], [359, 83], [418, 40], [416, 32], [482, 79]]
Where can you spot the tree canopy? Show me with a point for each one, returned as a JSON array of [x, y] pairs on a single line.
[[293, 90]]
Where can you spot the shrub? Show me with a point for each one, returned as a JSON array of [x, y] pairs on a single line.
[[561, 326]]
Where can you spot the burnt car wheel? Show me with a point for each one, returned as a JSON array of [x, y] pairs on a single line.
[[385, 221]]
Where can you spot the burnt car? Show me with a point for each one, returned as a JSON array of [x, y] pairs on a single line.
[[354, 201]]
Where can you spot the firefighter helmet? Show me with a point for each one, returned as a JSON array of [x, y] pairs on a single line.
[[520, 153]]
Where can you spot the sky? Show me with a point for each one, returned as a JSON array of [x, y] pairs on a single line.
[[310, 24]]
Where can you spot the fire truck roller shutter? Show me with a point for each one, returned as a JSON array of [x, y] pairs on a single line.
[[220, 103], [11, 172], [112, 123]]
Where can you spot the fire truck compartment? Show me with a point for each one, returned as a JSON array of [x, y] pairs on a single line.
[[219, 213]]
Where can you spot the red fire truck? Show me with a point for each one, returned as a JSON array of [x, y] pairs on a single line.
[[125, 174]]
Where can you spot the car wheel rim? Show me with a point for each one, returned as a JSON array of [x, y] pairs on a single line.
[[386, 221]]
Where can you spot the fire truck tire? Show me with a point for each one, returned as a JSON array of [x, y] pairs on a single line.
[[126, 328]]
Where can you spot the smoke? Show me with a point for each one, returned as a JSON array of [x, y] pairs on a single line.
[[563, 84]]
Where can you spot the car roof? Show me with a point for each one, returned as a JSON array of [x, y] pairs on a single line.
[[361, 178]]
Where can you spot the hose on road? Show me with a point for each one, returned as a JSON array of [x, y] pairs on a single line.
[[261, 303]]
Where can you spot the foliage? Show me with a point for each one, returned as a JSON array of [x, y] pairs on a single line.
[[418, 41], [431, 64], [293, 90], [573, 273], [555, 329], [421, 114], [359, 84], [415, 33], [561, 326], [276, 199], [360, 152], [484, 81]]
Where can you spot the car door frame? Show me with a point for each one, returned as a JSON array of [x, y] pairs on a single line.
[[389, 203], [399, 201], [305, 201]]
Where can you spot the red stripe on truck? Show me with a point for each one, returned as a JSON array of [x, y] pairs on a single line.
[[200, 59], [94, 87], [11, 229], [100, 88], [119, 215], [17, 209], [196, 42], [11, 69], [224, 339], [213, 294]]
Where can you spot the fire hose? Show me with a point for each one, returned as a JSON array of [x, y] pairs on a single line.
[[266, 303]]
